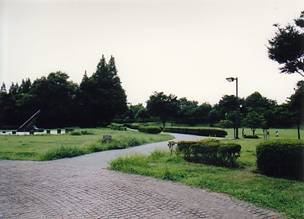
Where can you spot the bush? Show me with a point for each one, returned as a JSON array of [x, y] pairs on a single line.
[[281, 158], [251, 136], [83, 132], [75, 133], [224, 124], [198, 131], [150, 129], [116, 126], [62, 152], [210, 152], [131, 126]]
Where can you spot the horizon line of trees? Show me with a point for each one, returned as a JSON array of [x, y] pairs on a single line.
[[254, 111], [99, 99], [94, 102]]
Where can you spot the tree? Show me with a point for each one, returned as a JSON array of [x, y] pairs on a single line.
[[186, 111], [201, 113], [54, 96], [229, 106], [101, 96], [287, 48], [163, 106], [142, 115], [214, 115], [3, 88], [296, 103], [254, 120]]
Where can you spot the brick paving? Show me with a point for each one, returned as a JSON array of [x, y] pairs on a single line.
[[69, 188]]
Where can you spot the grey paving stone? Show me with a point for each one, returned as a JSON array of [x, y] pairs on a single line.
[[82, 187]]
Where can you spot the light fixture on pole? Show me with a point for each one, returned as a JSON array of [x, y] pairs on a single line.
[[232, 79]]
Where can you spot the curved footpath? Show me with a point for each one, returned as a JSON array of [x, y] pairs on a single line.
[[82, 187]]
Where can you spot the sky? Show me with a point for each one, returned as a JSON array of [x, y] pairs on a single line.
[[183, 47]]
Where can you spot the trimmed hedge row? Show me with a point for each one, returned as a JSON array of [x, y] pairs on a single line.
[[210, 152], [283, 158], [198, 131], [116, 126], [150, 129], [251, 136], [131, 125]]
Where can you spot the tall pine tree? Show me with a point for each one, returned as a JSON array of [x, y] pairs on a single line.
[[101, 95]]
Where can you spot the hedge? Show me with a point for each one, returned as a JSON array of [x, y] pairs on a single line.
[[131, 125], [150, 129], [117, 126], [251, 136], [281, 158], [210, 152], [198, 131]]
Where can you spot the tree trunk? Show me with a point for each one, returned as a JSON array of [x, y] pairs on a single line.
[[298, 127], [253, 132], [164, 124]]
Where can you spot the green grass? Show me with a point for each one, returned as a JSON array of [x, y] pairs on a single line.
[[282, 195], [49, 147]]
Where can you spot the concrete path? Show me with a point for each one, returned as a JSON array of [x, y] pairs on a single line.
[[81, 187]]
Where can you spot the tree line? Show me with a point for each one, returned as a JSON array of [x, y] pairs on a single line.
[[254, 111], [94, 102], [99, 99]]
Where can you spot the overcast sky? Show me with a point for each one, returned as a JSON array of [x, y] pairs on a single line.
[[184, 47]]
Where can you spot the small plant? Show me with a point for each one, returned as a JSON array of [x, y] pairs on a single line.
[[281, 158]]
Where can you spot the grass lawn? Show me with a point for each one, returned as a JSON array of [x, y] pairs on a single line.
[[48, 147], [285, 196]]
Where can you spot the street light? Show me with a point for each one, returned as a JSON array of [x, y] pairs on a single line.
[[232, 79]]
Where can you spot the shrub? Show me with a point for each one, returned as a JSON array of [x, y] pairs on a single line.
[[150, 129], [62, 152], [198, 131], [251, 136], [224, 124], [85, 132], [117, 126], [131, 125], [281, 158], [67, 130], [75, 133], [210, 151]]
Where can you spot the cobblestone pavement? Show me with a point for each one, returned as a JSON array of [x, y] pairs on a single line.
[[69, 188]]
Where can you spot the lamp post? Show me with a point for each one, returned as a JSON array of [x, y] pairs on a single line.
[[231, 79]]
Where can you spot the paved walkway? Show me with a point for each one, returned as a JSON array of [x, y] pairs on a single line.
[[82, 188]]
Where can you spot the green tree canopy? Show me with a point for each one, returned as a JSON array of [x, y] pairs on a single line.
[[254, 120], [163, 106], [296, 103], [287, 46], [101, 96]]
